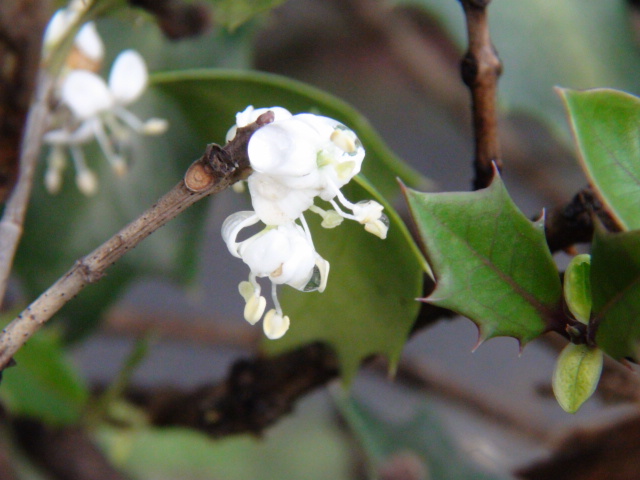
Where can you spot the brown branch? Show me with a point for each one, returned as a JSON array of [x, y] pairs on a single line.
[[573, 223], [66, 453], [256, 394], [611, 451], [213, 172], [22, 24], [176, 18], [480, 70]]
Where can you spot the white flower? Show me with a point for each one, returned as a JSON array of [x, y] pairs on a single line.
[[284, 254], [88, 49], [295, 159], [98, 112]]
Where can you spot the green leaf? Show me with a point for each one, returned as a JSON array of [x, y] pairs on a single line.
[[43, 384], [615, 286], [547, 43], [606, 127], [491, 263], [213, 97], [369, 304], [577, 287], [422, 436], [233, 13], [307, 445], [576, 375]]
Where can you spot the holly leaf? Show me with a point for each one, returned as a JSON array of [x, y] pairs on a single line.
[[606, 128], [615, 288], [491, 263], [45, 385]]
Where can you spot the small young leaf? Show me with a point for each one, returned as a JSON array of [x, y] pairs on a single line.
[[576, 375], [615, 286], [605, 124], [577, 287], [491, 263]]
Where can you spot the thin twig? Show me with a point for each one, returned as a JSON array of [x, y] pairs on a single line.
[[480, 70], [573, 223], [216, 170], [24, 94], [16, 207]]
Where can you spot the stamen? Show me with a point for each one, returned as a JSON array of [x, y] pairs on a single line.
[[330, 218], [307, 232], [341, 212], [343, 141], [129, 119], [274, 297], [85, 179]]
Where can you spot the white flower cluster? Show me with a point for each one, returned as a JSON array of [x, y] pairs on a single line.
[[88, 108], [295, 159]]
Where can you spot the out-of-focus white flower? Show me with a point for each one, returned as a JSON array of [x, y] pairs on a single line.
[[295, 159], [88, 49], [98, 113], [284, 254]]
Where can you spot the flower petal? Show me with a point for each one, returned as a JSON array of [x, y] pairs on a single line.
[[128, 77], [287, 148], [89, 42], [231, 228], [276, 203], [86, 94]]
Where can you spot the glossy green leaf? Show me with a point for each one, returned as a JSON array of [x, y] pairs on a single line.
[[43, 384], [213, 97], [615, 286], [421, 439], [233, 13], [606, 128], [547, 43], [576, 375], [577, 287], [491, 263]]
